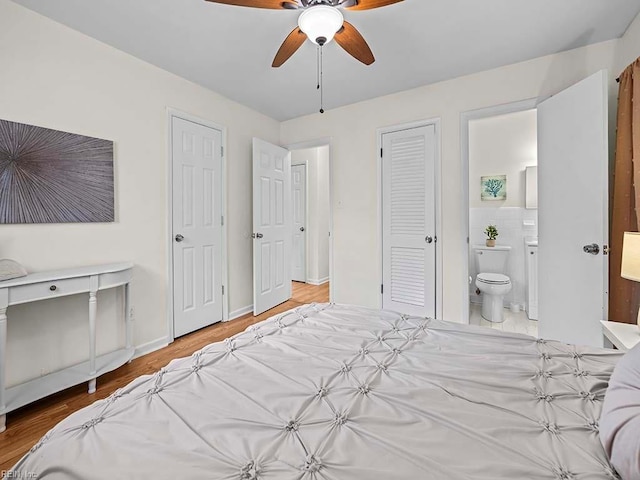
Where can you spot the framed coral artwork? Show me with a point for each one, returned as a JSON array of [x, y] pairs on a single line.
[[493, 187]]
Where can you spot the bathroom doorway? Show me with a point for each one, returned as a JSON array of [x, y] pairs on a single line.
[[573, 179], [503, 218]]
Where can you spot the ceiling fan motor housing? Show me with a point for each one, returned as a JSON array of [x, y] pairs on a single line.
[[333, 3], [320, 23]]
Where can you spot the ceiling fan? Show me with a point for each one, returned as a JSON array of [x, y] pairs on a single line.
[[320, 22]]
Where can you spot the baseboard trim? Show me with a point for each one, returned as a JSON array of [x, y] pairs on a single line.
[[322, 281], [240, 312], [149, 347]]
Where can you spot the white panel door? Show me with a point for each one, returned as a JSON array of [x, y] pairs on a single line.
[[271, 226], [573, 179], [197, 226], [408, 221], [299, 205]]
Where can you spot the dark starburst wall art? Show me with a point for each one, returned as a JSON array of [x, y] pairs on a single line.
[[48, 176]]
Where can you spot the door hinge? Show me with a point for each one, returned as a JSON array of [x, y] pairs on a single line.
[[381, 289], [222, 220], [223, 289], [381, 150], [221, 151]]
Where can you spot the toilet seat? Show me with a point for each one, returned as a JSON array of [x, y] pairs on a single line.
[[493, 279]]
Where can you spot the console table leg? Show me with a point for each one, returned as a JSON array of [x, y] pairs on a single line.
[[3, 354], [127, 316], [93, 311]]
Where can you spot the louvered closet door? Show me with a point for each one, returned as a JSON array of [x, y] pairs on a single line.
[[408, 221]]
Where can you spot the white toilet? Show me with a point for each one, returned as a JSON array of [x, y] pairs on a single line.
[[491, 263]]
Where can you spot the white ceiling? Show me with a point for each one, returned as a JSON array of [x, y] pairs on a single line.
[[229, 49]]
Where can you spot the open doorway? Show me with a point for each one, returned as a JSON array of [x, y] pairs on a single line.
[[503, 221], [311, 211], [570, 271]]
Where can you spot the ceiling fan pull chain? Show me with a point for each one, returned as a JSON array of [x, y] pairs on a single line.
[[318, 67], [321, 83]]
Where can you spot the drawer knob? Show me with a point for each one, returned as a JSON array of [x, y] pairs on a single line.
[[53, 288]]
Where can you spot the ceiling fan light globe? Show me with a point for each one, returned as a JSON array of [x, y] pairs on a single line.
[[321, 22]]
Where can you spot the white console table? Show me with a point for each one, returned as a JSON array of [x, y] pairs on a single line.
[[60, 283]]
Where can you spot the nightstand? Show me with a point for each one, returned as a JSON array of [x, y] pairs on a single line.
[[624, 336]]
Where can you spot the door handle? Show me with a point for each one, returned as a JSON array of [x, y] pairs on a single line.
[[257, 235], [302, 229], [592, 249], [179, 238], [428, 239]]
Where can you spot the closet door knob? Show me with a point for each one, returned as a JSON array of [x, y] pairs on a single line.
[[302, 229], [428, 239], [179, 238], [53, 288]]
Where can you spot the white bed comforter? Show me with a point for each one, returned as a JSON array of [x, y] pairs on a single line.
[[347, 393]]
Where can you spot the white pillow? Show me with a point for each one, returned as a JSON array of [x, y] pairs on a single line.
[[10, 269], [620, 419]]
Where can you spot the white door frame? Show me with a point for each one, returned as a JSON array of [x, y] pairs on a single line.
[[321, 142], [437, 197], [465, 118], [171, 114]]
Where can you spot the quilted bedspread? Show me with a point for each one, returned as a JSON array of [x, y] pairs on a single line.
[[339, 392]]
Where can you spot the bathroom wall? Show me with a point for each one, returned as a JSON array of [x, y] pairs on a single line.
[[503, 145]]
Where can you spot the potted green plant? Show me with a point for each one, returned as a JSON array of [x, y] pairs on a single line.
[[492, 233]]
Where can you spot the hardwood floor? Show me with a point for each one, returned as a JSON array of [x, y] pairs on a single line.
[[27, 425]]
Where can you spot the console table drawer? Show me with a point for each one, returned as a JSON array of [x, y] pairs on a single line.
[[44, 290]]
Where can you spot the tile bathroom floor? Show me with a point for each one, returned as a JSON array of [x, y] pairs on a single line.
[[514, 322]]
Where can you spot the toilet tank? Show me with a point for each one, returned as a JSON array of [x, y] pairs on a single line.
[[491, 259]]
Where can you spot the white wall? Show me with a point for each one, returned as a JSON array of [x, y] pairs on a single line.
[[628, 49], [317, 161], [55, 77], [502, 145], [353, 138], [322, 214]]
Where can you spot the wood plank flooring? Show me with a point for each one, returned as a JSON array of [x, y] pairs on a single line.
[[27, 425]]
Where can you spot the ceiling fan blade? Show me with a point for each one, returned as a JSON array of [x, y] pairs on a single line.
[[369, 4], [273, 4], [350, 39], [290, 46]]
